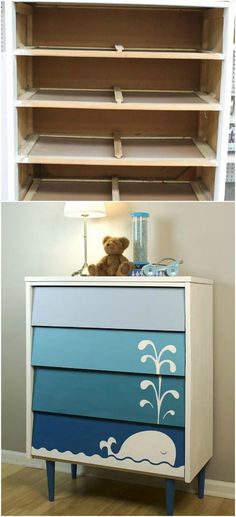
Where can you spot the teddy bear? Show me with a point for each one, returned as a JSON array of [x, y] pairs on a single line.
[[114, 263]]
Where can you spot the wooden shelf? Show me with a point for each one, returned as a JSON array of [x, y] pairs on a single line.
[[116, 151], [119, 54], [116, 189], [117, 99]]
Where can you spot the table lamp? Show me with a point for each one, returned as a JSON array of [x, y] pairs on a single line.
[[84, 210]]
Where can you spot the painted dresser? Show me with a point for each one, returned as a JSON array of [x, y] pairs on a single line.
[[119, 375]]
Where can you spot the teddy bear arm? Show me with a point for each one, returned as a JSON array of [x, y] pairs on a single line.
[[123, 259], [98, 269]]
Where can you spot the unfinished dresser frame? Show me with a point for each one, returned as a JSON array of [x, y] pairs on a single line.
[[138, 113]]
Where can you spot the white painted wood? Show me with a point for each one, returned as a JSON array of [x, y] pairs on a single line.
[[225, 100], [29, 370], [180, 281], [10, 71], [199, 379]]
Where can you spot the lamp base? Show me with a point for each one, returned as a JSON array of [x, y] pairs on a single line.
[[83, 271]]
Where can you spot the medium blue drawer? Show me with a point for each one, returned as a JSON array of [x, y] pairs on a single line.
[[146, 308], [105, 443], [114, 350], [137, 398]]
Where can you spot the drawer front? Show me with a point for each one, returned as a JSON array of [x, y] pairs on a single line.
[[136, 447], [137, 398], [114, 350], [146, 308]]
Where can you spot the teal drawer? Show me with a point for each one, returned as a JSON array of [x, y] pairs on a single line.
[[132, 446], [139, 308], [137, 398], [110, 350]]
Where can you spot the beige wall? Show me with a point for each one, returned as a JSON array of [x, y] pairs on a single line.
[[38, 240]]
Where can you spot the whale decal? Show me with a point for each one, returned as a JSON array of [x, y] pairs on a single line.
[[153, 446]]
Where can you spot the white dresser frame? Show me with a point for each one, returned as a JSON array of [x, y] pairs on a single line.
[[199, 354]]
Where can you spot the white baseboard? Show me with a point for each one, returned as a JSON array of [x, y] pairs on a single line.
[[212, 487]]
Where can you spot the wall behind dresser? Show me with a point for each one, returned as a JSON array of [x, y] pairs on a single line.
[[38, 240]]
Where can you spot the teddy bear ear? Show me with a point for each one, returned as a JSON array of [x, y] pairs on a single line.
[[125, 242], [106, 238]]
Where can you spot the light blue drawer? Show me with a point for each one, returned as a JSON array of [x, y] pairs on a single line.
[[146, 308], [110, 350], [137, 398], [106, 443]]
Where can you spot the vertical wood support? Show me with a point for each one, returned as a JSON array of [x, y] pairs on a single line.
[[201, 482], [50, 466], [119, 48], [170, 496], [117, 146], [29, 42], [115, 189], [74, 470], [118, 94]]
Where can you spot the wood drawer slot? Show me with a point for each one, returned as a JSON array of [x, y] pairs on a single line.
[[62, 182], [119, 30]]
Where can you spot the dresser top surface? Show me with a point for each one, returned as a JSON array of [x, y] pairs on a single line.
[[116, 281]]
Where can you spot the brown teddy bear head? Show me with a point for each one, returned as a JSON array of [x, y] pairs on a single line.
[[115, 245]]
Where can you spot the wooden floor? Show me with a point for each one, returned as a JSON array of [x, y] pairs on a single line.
[[24, 493]]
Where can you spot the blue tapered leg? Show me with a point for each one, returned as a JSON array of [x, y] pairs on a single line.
[[170, 496], [201, 482], [50, 465], [73, 471]]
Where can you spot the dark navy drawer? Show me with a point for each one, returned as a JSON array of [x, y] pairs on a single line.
[[137, 447]]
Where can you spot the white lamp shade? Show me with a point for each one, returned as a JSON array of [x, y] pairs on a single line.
[[90, 209]]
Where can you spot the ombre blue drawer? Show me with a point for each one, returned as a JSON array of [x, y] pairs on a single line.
[[139, 308], [139, 447], [110, 350], [137, 398]]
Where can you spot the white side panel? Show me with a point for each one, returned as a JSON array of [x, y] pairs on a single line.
[[199, 379], [11, 81], [29, 371], [225, 99], [3, 111]]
